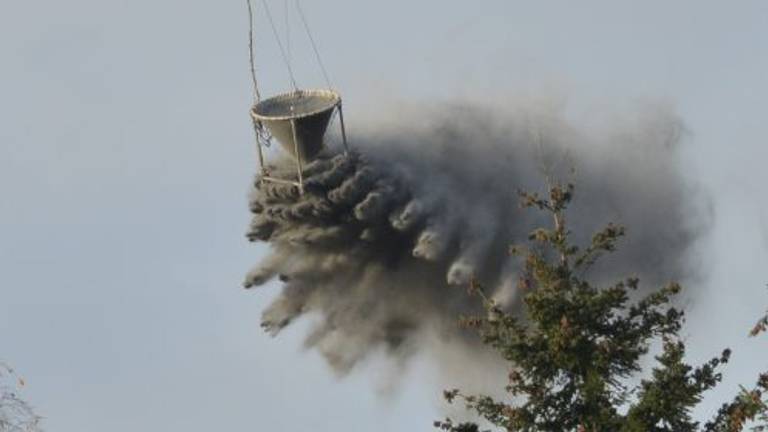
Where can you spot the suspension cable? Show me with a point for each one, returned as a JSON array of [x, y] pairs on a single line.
[[261, 133], [256, 95], [314, 46], [286, 10], [280, 45]]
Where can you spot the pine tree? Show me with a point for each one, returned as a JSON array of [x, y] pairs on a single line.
[[574, 350]]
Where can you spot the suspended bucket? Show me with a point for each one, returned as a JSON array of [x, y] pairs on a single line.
[[298, 120]]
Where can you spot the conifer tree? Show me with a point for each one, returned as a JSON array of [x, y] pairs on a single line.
[[575, 347]]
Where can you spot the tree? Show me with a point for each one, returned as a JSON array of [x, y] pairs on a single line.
[[575, 347], [16, 415], [748, 404]]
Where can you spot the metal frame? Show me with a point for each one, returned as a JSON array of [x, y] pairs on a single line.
[[265, 176]]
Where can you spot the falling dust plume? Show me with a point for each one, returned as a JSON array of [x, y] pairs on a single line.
[[384, 240]]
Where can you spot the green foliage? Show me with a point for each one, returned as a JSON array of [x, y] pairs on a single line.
[[748, 405], [573, 352]]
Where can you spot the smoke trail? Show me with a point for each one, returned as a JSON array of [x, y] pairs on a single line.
[[384, 239]]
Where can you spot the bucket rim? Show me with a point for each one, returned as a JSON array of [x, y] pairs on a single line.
[[334, 99]]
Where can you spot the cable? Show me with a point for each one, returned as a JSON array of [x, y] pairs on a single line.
[[314, 46], [286, 9], [280, 45], [256, 95]]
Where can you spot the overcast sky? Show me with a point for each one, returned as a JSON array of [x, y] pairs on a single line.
[[126, 154]]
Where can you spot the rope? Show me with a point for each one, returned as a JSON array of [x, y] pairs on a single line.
[[287, 31], [314, 46], [256, 95], [280, 45], [259, 130]]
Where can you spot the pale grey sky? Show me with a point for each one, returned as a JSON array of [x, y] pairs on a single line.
[[126, 154]]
